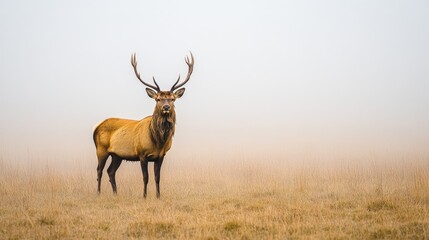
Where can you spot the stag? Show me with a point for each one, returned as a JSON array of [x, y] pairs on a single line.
[[146, 140]]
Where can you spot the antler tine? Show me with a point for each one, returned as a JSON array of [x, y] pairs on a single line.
[[178, 79], [190, 63], [134, 64], [155, 83]]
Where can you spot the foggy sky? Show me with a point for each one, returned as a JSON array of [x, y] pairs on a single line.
[[271, 78]]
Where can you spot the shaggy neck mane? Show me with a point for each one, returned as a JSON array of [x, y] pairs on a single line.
[[162, 127]]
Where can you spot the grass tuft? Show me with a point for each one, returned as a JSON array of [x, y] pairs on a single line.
[[46, 220], [379, 205], [150, 230], [231, 226]]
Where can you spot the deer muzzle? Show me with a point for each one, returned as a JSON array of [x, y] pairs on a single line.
[[166, 109]]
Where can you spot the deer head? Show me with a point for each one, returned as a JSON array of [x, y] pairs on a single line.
[[165, 99]]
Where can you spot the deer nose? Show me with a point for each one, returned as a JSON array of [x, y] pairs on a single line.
[[166, 108]]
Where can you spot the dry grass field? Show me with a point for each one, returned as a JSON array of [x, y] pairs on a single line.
[[224, 201]]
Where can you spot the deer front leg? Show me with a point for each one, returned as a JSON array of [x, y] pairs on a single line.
[[143, 164], [157, 170]]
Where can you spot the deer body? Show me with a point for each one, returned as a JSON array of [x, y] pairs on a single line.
[[147, 140], [129, 139]]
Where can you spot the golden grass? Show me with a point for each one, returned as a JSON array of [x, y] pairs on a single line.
[[228, 201]]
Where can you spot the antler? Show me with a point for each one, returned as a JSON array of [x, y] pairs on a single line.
[[134, 63], [190, 63]]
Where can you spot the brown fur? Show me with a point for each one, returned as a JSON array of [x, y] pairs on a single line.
[[147, 140], [162, 127]]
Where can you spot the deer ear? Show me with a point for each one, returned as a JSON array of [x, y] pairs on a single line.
[[179, 92], [151, 93]]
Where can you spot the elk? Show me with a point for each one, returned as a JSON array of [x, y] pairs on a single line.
[[146, 140]]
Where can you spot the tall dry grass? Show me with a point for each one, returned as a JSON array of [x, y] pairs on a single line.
[[229, 200]]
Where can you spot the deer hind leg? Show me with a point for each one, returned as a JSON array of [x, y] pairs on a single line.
[[116, 162], [102, 158]]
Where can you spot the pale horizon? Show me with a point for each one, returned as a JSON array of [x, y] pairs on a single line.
[[272, 79]]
